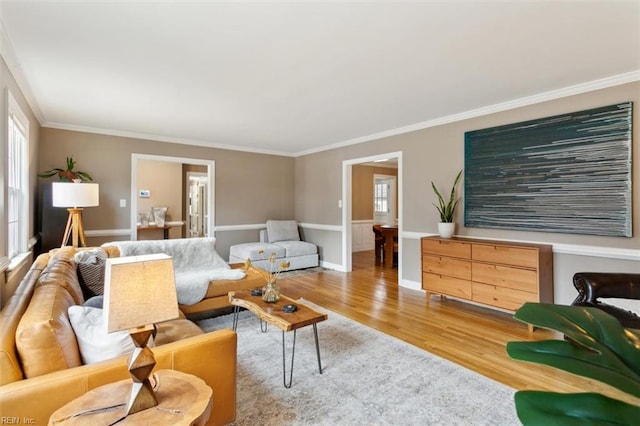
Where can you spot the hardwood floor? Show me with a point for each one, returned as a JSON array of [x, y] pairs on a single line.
[[469, 335]]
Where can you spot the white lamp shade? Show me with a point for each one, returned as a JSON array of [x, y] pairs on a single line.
[[139, 291], [70, 194]]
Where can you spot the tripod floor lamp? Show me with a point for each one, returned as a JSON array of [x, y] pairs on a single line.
[[74, 196]]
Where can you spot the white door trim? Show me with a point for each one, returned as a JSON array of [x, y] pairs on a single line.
[[346, 206], [134, 186]]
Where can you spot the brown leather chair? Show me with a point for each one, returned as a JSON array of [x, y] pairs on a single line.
[[593, 285]]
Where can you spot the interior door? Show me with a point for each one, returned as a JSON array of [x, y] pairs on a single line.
[[196, 204]]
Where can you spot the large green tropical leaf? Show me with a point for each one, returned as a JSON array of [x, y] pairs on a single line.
[[597, 346], [579, 409]]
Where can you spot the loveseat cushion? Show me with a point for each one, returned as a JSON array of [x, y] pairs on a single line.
[[297, 248], [256, 251], [282, 230], [44, 337]]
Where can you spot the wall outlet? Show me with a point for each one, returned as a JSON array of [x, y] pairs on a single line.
[[123, 203]]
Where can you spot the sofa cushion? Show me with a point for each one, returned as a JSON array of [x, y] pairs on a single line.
[[61, 271], [174, 330], [282, 230], [91, 266], [298, 248], [95, 343], [44, 337], [256, 251]]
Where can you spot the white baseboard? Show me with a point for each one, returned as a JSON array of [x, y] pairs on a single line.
[[333, 266]]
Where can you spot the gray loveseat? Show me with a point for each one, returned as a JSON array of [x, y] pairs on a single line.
[[282, 238]]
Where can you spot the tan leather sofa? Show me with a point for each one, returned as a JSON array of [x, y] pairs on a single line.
[[40, 365]]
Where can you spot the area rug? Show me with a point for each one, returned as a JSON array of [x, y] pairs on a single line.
[[298, 272], [369, 378]]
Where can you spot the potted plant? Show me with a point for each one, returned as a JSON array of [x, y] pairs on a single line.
[[68, 174], [595, 346], [446, 209]]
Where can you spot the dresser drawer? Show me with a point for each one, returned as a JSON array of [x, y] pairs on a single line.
[[433, 283], [446, 248], [505, 276], [449, 266], [506, 255], [501, 297]]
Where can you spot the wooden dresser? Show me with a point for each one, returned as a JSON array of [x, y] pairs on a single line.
[[495, 273]]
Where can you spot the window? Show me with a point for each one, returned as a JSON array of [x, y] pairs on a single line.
[[17, 178], [381, 197]]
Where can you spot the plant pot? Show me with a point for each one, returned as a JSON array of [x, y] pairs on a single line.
[[445, 229]]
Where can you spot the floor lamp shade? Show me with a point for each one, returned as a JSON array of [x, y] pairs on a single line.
[[74, 196], [70, 194], [139, 292]]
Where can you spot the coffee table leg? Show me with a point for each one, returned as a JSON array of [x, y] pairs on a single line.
[[284, 362], [236, 311], [315, 334]]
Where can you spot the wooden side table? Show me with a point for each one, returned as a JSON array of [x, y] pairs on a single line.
[[183, 399]]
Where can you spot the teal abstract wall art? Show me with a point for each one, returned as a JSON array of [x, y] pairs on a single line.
[[569, 173]]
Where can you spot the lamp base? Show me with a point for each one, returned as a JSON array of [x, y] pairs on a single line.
[[141, 364], [74, 229]]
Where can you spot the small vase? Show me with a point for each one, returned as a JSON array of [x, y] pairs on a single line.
[[271, 292], [446, 229]]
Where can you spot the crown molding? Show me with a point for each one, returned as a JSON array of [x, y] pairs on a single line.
[[577, 89], [166, 139]]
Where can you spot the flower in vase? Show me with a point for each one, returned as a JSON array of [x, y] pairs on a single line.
[[274, 271]]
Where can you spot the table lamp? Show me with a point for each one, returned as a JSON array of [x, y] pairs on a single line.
[[139, 292], [74, 195]]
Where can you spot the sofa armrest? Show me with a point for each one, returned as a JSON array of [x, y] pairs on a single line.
[[592, 285], [210, 356]]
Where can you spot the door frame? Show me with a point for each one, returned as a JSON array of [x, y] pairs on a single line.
[[135, 157], [347, 166]]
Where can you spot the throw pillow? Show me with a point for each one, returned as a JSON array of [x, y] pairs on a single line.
[[95, 343], [94, 302], [91, 266], [282, 230]]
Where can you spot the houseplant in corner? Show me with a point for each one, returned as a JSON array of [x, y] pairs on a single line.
[[68, 174], [446, 209], [596, 346]]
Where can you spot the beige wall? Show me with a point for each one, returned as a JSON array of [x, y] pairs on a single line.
[[436, 154], [164, 181], [249, 188], [362, 192]]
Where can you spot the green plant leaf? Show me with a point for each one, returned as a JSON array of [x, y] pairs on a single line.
[[446, 209], [549, 408], [603, 365], [591, 328], [598, 347]]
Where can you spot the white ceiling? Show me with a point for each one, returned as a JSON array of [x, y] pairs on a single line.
[[297, 77]]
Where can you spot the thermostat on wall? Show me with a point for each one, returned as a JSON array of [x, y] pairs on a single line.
[[145, 193]]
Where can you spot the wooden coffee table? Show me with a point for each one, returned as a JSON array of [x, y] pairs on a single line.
[[272, 313]]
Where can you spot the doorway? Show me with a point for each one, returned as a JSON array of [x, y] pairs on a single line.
[[347, 204], [208, 196], [196, 203]]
